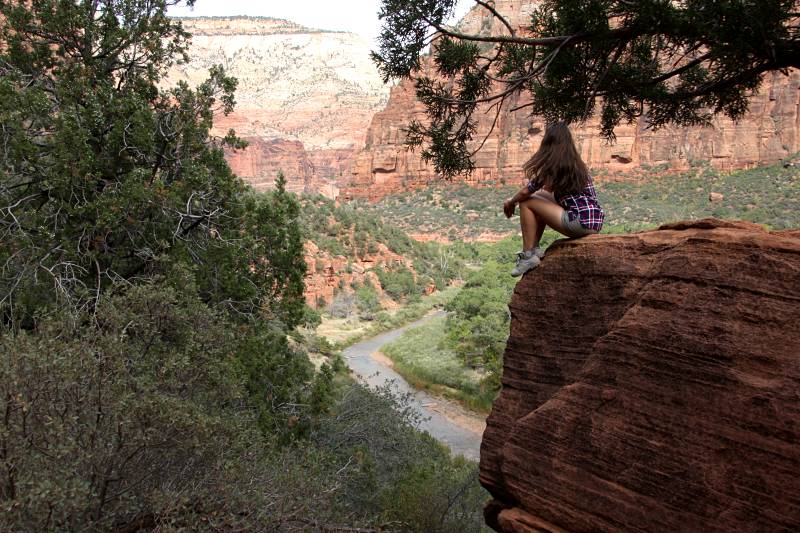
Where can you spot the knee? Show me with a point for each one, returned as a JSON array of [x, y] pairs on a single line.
[[529, 204]]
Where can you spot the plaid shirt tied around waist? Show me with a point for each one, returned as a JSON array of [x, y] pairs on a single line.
[[583, 206]]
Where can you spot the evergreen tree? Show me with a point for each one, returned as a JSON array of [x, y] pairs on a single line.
[[107, 176], [677, 62]]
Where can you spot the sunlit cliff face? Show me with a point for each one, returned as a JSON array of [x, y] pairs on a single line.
[[295, 84], [318, 87]]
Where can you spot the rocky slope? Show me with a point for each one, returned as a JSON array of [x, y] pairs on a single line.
[[769, 132], [651, 383], [328, 273], [304, 100]]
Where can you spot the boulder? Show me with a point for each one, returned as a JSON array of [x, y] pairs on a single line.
[[651, 382]]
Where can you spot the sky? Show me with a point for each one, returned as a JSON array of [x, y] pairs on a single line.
[[358, 16]]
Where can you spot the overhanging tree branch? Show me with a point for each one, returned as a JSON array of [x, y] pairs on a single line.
[[636, 56]]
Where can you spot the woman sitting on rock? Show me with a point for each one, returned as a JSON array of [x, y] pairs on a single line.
[[560, 194]]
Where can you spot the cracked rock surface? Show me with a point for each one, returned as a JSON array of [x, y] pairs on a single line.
[[651, 382]]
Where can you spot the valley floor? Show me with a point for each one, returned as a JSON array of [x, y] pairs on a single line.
[[448, 357], [454, 427]]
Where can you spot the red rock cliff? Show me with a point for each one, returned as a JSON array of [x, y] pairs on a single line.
[[304, 99], [769, 132], [652, 383]]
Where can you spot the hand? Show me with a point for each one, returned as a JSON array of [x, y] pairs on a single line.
[[509, 206]]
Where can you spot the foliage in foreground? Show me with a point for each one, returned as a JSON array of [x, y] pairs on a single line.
[[106, 178], [139, 415], [146, 294], [126, 412]]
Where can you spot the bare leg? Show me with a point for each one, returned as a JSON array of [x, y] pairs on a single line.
[[535, 213], [540, 223], [532, 227]]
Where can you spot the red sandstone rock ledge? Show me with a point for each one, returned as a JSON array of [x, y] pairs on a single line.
[[652, 383]]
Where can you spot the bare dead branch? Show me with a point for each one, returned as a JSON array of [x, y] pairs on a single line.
[[497, 15]]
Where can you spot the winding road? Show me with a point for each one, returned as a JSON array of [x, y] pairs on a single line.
[[460, 438]]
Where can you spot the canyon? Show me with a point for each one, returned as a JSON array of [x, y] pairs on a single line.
[[303, 102], [769, 132], [311, 104]]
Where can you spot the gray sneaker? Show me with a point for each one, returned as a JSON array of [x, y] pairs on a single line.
[[525, 263], [539, 252]]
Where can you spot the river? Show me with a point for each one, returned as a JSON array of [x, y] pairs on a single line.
[[459, 437]]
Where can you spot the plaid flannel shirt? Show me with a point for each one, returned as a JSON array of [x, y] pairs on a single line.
[[583, 206]]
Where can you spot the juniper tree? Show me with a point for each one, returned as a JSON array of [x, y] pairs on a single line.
[[667, 61], [109, 174]]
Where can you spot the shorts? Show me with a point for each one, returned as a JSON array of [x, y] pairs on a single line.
[[574, 228]]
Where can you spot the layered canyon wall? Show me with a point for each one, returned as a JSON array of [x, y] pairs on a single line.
[[769, 132], [304, 100]]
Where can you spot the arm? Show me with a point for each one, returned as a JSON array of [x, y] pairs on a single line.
[[510, 205]]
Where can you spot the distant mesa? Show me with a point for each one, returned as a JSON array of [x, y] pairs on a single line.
[[304, 100], [246, 25]]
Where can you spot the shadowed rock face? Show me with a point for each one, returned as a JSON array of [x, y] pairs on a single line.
[[652, 383]]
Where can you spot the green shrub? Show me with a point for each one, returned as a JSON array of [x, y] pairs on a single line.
[[367, 301], [318, 344], [395, 472], [478, 320], [435, 496], [142, 416], [312, 317], [127, 412], [398, 282]]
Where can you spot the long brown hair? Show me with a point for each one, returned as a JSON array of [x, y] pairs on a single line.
[[557, 165]]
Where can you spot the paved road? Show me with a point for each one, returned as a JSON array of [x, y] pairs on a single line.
[[358, 356]]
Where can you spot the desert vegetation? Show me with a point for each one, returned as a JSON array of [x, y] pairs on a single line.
[[354, 233], [151, 371], [636, 200]]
